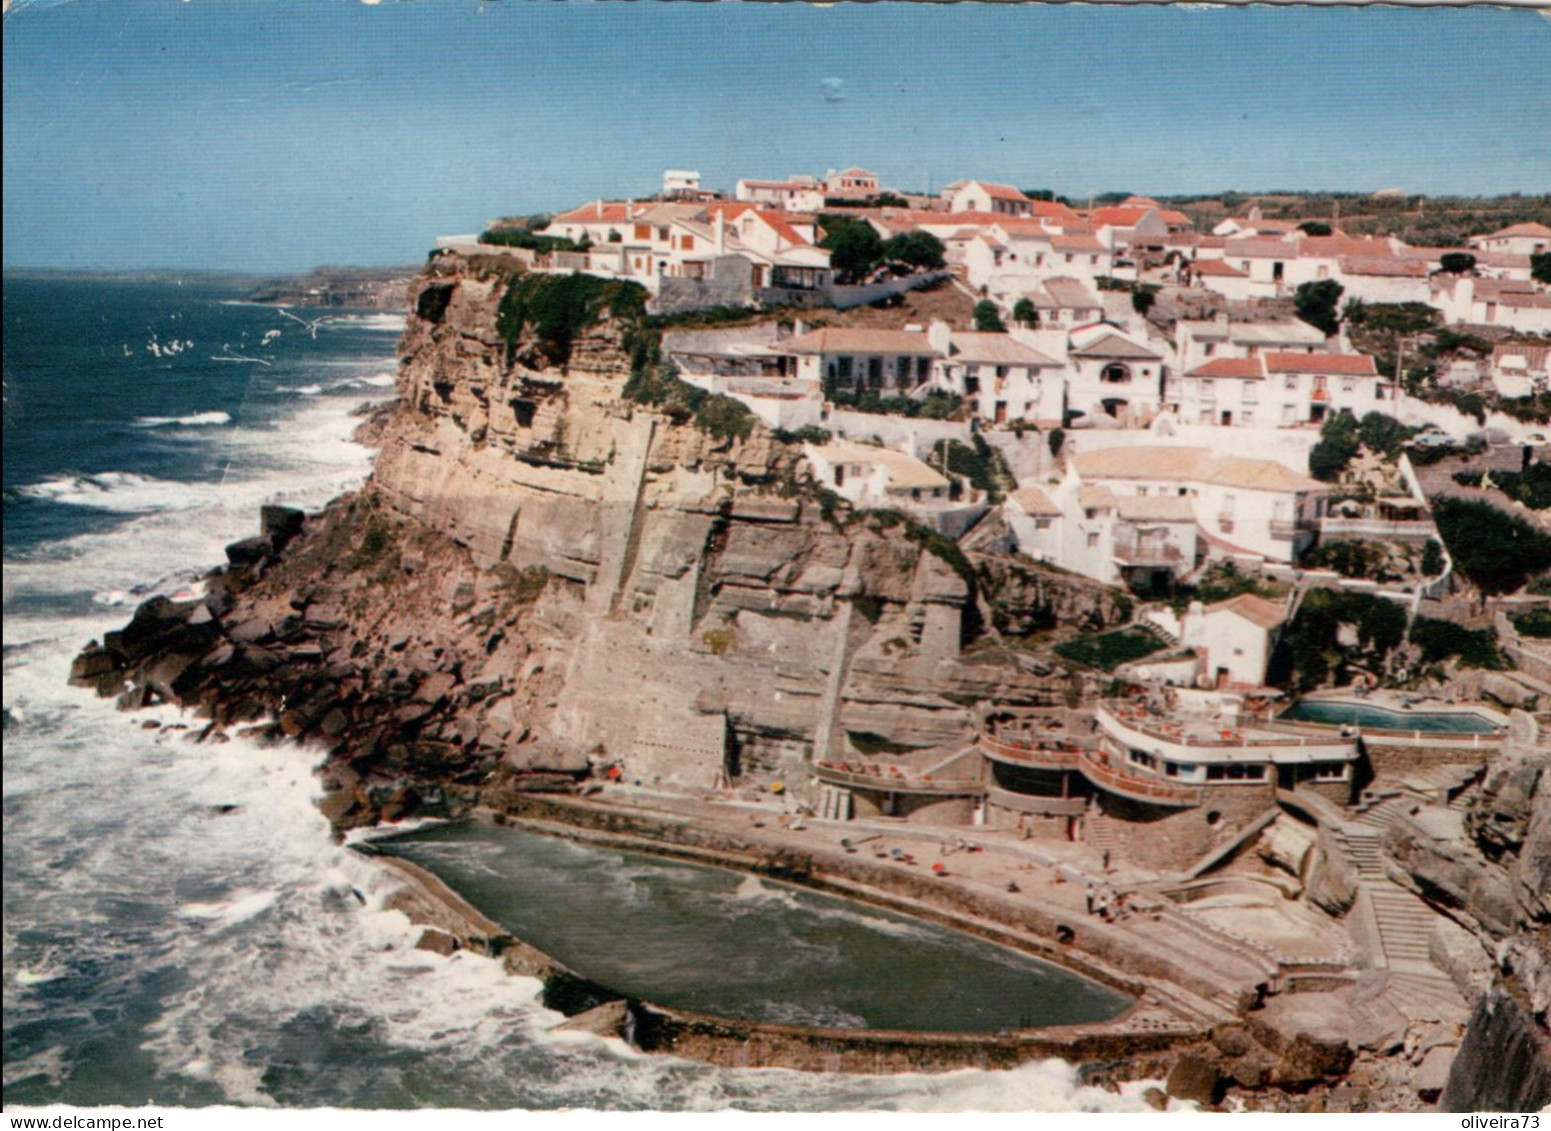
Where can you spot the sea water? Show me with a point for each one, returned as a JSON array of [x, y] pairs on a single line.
[[179, 926]]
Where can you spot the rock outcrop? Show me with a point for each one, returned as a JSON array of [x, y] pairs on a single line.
[[549, 574]]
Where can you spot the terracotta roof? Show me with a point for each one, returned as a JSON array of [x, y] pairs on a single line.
[[1092, 496], [1241, 367], [1033, 501], [1063, 292], [852, 339], [1001, 192], [1388, 267], [995, 349], [1531, 229], [1156, 508], [1169, 216], [613, 212], [1196, 465], [1534, 357], [1331, 247], [1261, 249], [1113, 345], [1525, 299], [1345, 364], [904, 471], [1118, 216], [1026, 228], [1076, 243], [1054, 210], [1217, 268], [1253, 608]]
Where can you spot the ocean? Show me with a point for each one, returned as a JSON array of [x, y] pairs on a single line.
[[179, 926]]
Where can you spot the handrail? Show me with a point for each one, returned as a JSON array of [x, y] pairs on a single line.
[[1235, 739], [837, 774], [1036, 803], [1025, 754], [1128, 785]]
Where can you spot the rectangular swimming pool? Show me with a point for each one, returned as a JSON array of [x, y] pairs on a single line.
[[1334, 712]]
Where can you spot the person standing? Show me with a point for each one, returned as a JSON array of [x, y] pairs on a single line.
[[1089, 895]]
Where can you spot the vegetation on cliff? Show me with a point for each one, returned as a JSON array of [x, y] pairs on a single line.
[[554, 310], [1497, 551]]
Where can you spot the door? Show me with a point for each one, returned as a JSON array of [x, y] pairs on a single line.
[[1001, 412]]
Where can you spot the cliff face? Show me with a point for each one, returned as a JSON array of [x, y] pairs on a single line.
[[544, 574]]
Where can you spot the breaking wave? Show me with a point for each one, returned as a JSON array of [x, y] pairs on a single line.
[[194, 420]]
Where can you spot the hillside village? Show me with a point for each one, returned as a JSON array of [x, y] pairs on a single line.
[[1182, 600]]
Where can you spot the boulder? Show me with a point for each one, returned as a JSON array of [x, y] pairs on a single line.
[[280, 524], [1432, 1074], [1195, 1078], [610, 1019], [1332, 884], [249, 551], [437, 942]]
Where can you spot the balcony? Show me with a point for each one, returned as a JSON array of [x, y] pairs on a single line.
[[1040, 754], [1149, 791], [890, 779], [1036, 805], [1188, 738], [1147, 554], [1289, 527]]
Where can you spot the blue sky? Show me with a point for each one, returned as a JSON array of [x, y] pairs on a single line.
[[278, 135]]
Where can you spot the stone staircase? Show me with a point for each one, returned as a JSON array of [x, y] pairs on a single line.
[[1104, 833], [1405, 922]]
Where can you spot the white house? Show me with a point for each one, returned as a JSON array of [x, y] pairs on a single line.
[[1199, 341], [1110, 373], [862, 359], [1518, 369], [680, 183], [1382, 279], [795, 194], [1519, 239], [854, 182], [1222, 277], [1493, 302], [1242, 506], [876, 477], [1123, 227], [1233, 639], [1282, 390], [1002, 378], [986, 196]]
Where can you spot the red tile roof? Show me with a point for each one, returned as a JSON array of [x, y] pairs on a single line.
[[1390, 267], [1117, 216], [1532, 230], [1343, 364], [1218, 268], [1076, 243], [1240, 367]]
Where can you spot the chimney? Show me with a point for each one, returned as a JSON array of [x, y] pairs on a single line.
[[721, 233], [599, 203], [938, 335]]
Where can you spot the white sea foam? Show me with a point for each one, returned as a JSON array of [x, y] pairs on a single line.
[[124, 491], [193, 420], [248, 922], [384, 321]]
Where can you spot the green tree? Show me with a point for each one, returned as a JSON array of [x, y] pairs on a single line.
[[1540, 267], [1383, 434], [1038, 193], [1314, 228], [1457, 262], [1142, 300], [1317, 302], [1432, 558], [1338, 443], [1056, 438], [917, 249], [854, 246], [986, 317], [1495, 550], [1024, 314]]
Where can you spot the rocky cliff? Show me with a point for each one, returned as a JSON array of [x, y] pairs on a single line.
[[551, 572]]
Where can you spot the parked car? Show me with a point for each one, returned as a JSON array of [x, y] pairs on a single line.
[[1439, 439]]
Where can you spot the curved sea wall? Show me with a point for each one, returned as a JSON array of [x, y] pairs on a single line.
[[1127, 1049]]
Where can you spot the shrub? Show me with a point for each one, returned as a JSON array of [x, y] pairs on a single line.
[[1536, 623], [854, 246], [1111, 649], [1440, 639], [1380, 433], [1317, 302], [1309, 652], [918, 249], [1349, 559], [807, 434], [1532, 486], [1495, 550], [1024, 314], [986, 317], [1540, 267], [1432, 558], [1056, 438], [1457, 262], [1338, 443], [520, 237], [554, 309]]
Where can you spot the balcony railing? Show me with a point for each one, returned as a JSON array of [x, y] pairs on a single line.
[[1126, 725], [1378, 527], [1287, 527], [1043, 754], [890, 780], [1147, 553], [1035, 804], [1148, 790]]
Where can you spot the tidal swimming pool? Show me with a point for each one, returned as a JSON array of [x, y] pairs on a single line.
[[716, 941]]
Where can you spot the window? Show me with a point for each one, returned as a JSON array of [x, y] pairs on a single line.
[[1291, 382], [1141, 758], [1348, 385], [1236, 771], [1115, 373], [1211, 348], [1041, 524], [1093, 537], [1247, 416], [845, 368]]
